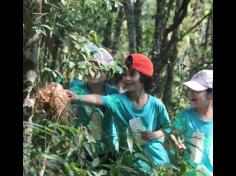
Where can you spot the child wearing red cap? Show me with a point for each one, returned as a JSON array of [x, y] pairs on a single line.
[[136, 107]]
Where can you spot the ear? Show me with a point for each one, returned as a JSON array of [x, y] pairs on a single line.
[[210, 95]]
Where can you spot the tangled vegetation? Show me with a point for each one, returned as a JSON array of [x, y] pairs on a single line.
[[176, 35]]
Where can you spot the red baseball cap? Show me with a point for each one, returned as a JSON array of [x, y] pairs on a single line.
[[141, 63]]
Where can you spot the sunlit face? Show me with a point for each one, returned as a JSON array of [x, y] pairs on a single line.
[[101, 79], [198, 98], [131, 80]]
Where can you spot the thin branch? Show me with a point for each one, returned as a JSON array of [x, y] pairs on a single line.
[[207, 30], [194, 26], [179, 17]]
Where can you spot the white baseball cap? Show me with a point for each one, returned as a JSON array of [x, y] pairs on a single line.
[[202, 80], [101, 54]]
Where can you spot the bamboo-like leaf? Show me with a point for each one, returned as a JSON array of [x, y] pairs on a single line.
[[88, 149], [71, 64], [59, 78], [46, 26], [129, 140], [95, 162]]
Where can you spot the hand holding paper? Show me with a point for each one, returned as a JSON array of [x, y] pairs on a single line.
[[137, 127]]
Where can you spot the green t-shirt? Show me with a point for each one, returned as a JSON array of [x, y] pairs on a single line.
[[153, 116], [86, 111], [198, 137]]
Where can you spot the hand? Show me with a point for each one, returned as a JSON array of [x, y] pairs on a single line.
[[148, 135], [71, 95], [178, 143]]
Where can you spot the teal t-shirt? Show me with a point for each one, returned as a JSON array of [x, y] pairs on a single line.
[[85, 110], [198, 136], [153, 116]]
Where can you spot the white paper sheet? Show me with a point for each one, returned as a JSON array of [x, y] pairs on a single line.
[[137, 127]]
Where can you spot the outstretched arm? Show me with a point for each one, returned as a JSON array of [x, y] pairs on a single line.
[[148, 135], [90, 98]]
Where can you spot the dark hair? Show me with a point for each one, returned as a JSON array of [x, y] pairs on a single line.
[[149, 86], [117, 78], [129, 61], [209, 91]]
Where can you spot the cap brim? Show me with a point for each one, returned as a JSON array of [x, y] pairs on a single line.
[[194, 86]]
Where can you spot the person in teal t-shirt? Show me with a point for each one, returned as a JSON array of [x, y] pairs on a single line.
[[195, 125], [136, 107], [107, 132]]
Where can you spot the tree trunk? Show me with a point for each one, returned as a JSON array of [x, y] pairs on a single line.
[[138, 26], [208, 31], [171, 50], [58, 60], [27, 21], [31, 75], [160, 23], [129, 13], [36, 47], [118, 25], [167, 94], [161, 18], [180, 13], [163, 47], [107, 33], [55, 55]]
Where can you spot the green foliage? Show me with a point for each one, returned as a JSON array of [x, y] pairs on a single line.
[[58, 147], [65, 27], [59, 35], [55, 147], [48, 75]]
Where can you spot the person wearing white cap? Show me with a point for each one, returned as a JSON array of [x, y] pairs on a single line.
[[195, 125], [105, 129]]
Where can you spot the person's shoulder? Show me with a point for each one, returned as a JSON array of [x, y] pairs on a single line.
[[112, 100], [76, 82], [117, 97], [156, 100], [185, 113], [78, 87], [111, 89]]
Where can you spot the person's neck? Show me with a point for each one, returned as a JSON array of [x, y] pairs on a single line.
[[206, 112], [96, 88], [138, 97]]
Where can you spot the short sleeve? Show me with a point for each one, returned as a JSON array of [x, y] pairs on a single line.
[[77, 87], [110, 89], [179, 123], [111, 102], [164, 118]]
